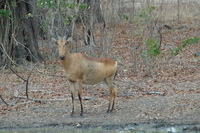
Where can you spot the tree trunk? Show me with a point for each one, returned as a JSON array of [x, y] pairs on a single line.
[[91, 16], [18, 33], [178, 10], [133, 11]]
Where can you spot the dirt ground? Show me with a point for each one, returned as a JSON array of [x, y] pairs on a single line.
[[160, 110], [169, 96], [170, 102]]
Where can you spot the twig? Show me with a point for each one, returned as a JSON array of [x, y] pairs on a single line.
[[27, 88], [156, 92], [171, 27], [50, 74], [15, 101], [160, 35], [144, 93], [4, 100], [41, 100], [128, 93], [51, 100], [25, 103], [44, 91], [4, 51], [129, 83], [18, 43], [25, 80], [16, 74]]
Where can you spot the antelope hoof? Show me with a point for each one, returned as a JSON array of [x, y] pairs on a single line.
[[109, 111], [72, 115], [81, 115]]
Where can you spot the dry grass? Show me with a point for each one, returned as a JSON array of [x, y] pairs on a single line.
[[165, 12]]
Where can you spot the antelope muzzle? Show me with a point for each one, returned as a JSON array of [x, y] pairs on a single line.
[[62, 57]]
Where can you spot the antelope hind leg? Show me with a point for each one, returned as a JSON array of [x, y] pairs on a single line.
[[113, 93], [80, 95]]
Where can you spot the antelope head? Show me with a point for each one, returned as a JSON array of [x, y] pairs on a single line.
[[62, 43]]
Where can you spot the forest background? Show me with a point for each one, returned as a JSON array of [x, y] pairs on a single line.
[[155, 42]]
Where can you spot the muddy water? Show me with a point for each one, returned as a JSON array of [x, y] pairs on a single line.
[[144, 128]]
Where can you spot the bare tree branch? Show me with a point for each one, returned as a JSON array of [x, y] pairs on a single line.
[[25, 80], [4, 100], [16, 73]]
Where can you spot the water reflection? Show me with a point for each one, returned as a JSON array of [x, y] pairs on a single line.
[[144, 128], [59, 130]]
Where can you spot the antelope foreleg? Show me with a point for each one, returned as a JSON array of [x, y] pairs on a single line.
[[80, 95], [72, 88], [73, 104], [115, 99]]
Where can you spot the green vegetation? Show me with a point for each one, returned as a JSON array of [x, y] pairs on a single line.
[[46, 3], [152, 48], [147, 14], [83, 6], [150, 54], [191, 40], [125, 17], [186, 42], [4, 13]]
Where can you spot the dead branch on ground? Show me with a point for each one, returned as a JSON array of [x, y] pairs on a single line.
[[41, 72], [25, 80]]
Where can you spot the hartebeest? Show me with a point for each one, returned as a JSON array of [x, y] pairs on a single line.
[[81, 69]]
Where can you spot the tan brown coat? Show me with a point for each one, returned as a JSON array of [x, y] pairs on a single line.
[[81, 69]]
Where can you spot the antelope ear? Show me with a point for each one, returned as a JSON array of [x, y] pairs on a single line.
[[69, 39], [57, 36], [65, 37], [67, 34]]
